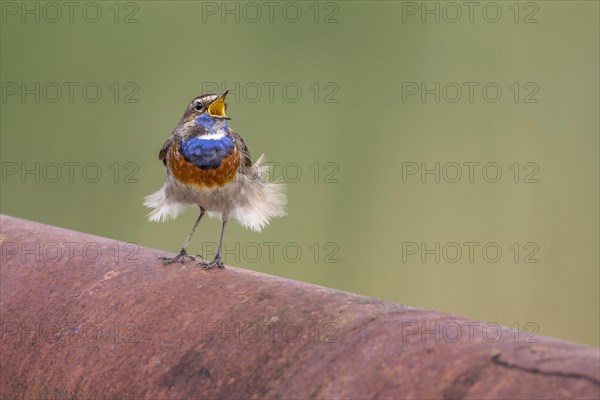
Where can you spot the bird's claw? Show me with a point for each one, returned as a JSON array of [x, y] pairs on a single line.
[[217, 262], [181, 257]]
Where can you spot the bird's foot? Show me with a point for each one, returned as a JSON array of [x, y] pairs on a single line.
[[217, 262], [181, 257]]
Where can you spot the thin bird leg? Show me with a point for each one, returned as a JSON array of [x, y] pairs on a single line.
[[217, 262], [183, 255]]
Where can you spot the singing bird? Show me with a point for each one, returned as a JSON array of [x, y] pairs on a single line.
[[209, 165]]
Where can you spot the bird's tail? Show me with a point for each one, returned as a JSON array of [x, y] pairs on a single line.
[[163, 208], [263, 200]]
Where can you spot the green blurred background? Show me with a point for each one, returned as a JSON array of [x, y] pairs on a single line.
[[353, 133]]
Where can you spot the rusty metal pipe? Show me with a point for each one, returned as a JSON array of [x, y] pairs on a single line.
[[89, 317]]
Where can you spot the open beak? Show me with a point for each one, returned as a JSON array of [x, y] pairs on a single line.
[[217, 107]]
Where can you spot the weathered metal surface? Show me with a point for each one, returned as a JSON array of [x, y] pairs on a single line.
[[121, 325]]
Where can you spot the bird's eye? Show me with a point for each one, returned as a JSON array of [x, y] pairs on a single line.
[[198, 106]]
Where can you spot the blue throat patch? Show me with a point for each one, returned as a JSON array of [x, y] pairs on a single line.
[[212, 125], [206, 153]]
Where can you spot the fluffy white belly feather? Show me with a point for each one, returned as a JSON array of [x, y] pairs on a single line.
[[251, 199]]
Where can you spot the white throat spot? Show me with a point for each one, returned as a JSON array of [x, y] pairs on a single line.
[[213, 136]]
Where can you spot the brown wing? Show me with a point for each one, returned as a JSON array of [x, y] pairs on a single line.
[[162, 155], [246, 161]]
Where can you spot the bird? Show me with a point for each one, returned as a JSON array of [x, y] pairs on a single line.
[[208, 165]]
